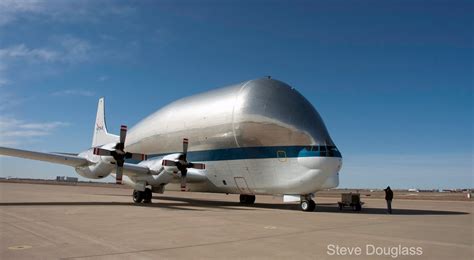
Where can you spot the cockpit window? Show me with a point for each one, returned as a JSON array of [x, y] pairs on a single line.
[[324, 151]]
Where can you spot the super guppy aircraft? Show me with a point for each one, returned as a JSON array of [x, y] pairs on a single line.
[[253, 138]]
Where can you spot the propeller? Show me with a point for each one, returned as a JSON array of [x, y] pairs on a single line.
[[183, 165], [120, 155]]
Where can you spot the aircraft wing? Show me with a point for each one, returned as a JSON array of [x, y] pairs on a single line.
[[131, 170], [66, 159], [134, 170]]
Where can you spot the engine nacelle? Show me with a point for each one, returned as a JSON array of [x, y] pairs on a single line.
[[172, 157], [101, 168]]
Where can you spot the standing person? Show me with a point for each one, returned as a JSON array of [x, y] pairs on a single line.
[[389, 198]]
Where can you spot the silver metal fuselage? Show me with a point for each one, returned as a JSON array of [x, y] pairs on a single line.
[[259, 137]]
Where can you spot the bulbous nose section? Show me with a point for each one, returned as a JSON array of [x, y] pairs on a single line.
[[331, 182], [324, 164], [321, 173], [326, 170]]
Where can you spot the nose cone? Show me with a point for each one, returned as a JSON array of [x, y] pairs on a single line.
[[269, 112], [324, 164]]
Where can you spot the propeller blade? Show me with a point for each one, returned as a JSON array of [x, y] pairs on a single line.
[[168, 163], [137, 156], [184, 172], [200, 166], [123, 134], [183, 179], [103, 152], [183, 183], [118, 176], [185, 147]]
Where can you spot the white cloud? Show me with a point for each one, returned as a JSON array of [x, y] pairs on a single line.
[[64, 49], [29, 59], [43, 126], [9, 101], [74, 92], [60, 50], [63, 11], [74, 50], [14, 131], [3, 78], [10, 9], [20, 51]]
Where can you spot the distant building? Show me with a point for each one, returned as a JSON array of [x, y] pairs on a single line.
[[67, 179]]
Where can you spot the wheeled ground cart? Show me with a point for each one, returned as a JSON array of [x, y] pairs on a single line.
[[350, 200]]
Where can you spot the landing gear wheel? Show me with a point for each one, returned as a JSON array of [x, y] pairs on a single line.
[[138, 196], [358, 207], [308, 205], [147, 194], [247, 199], [250, 199]]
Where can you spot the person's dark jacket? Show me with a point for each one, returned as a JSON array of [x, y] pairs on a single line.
[[388, 194]]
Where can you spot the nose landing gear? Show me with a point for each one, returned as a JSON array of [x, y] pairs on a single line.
[[307, 203]]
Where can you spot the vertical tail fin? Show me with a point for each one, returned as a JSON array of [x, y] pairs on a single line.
[[101, 136]]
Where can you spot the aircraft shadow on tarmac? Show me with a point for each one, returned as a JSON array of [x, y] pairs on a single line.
[[193, 204], [320, 207]]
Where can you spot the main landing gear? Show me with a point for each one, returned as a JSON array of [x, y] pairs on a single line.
[[145, 196], [307, 203], [247, 199]]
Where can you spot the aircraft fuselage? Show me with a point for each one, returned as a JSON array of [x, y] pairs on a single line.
[[256, 137]]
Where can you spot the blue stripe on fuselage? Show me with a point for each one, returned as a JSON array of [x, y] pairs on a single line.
[[243, 153]]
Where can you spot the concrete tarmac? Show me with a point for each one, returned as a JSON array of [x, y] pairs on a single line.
[[79, 222]]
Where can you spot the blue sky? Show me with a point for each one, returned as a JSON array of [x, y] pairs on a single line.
[[392, 80]]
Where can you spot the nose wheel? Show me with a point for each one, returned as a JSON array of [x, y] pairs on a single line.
[[307, 203]]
